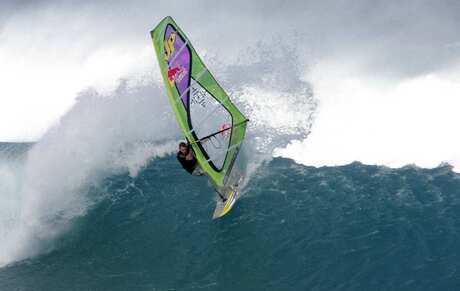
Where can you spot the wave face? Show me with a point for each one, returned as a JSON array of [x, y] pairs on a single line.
[[49, 185], [353, 227]]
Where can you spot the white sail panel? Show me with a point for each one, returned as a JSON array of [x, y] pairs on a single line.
[[208, 116]]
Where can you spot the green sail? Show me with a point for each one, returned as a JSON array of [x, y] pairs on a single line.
[[209, 120]]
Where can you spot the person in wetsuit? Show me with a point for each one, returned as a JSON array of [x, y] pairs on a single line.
[[187, 160], [190, 164]]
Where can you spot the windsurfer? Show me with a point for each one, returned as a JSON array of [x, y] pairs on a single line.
[[188, 161]]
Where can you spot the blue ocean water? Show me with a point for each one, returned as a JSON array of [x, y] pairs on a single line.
[[354, 227]]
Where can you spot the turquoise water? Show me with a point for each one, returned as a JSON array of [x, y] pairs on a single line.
[[354, 227]]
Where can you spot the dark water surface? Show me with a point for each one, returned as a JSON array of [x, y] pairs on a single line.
[[354, 227]]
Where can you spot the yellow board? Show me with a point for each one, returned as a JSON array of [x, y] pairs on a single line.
[[223, 208], [230, 192]]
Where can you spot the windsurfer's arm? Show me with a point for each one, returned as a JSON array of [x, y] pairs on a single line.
[[189, 156]]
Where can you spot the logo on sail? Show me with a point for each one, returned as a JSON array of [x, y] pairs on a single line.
[[225, 130], [169, 46], [176, 74]]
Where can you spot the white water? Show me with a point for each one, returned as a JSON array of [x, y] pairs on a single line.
[[99, 136], [382, 121], [361, 115], [357, 119], [124, 130]]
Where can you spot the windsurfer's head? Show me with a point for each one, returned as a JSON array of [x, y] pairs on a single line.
[[183, 148]]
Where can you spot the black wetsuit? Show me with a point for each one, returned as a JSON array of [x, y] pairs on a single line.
[[188, 165]]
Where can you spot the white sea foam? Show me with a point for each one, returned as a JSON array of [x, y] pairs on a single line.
[[99, 136], [274, 96], [384, 122], [123, 130]]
